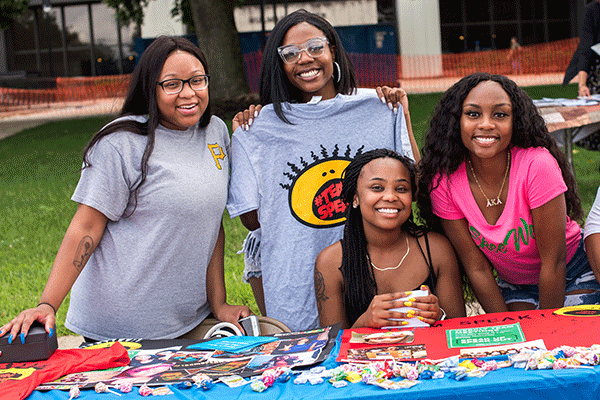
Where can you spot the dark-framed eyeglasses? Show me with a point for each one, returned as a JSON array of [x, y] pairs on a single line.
[[174, 86], [314, 47]]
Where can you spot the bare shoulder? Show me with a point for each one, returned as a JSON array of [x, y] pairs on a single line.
[[329, 259], [442, 252]]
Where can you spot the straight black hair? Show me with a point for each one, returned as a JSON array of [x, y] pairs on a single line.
[[274, 85], [141, 97]]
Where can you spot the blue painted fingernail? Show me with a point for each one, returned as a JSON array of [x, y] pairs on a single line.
[[51, 333], [22, 338], [10, 338]]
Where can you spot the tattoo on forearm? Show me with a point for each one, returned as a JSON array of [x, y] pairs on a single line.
[[84, 250], [320, 290]]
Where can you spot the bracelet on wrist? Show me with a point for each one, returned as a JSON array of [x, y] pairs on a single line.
[[48, 304], [443, 317]]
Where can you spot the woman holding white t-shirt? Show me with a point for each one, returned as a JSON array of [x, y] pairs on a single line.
[[287, 163]]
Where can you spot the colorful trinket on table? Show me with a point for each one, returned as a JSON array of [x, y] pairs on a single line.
[[124, 387], [258, 386], [74, 392], [102, 388], [203, 381], [183, 385], [145, 390], [161, 391]]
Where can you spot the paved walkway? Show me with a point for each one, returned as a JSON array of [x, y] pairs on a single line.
[[12, 122], [15, 121]]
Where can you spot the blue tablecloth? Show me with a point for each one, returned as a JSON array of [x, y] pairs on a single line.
[[507, 383]]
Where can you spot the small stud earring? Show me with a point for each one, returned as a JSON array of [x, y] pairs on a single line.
[[355, 205]]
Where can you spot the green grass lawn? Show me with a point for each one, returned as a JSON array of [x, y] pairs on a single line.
[[39, 169]]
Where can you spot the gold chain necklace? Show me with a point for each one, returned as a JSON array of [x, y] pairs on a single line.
[[399, 264], [496, 201]]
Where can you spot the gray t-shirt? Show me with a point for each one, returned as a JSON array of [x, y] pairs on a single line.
[[147, 277], [291, 174]]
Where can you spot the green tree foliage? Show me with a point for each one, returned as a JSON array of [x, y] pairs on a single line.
[[129, 10], [9, 10], [217, 35]]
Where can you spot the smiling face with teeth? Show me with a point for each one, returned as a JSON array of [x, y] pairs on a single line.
[[312, 76], [384, 194], [181, 110], [486, 122]]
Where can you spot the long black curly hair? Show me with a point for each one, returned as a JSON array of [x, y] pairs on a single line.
[[358, 277], [444, 150]]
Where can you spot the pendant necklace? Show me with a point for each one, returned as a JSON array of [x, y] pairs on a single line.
[[399, 264], [496, 201]]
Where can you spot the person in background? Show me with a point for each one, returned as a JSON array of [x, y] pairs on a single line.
[[494, 180], [287, 163], [515, 55], [384, 255], [585, 65], [143, 255]]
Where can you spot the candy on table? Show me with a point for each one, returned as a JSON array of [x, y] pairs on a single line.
[[426, 374], [102, 388], [561, 363], [161, 391], [74, 392], [268, 380], [353, 377], [145, 390], [457, 376], [315, 379], [491, 365], [519, 360], [301, 379], [468, 365], [258, 386], [284, 376], [477, 362], [438, 375], [477, 373], [124, 387], [339, 384], [447, 363], [405, 384], [183, 385], [203, 381]]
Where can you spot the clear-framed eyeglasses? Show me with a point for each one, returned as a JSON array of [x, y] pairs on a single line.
[[174, 86], [314, 47]]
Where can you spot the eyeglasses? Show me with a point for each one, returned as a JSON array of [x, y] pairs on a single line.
[[314, 47], [174, 86]]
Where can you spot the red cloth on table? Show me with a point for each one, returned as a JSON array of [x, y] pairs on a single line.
[[18, 380]]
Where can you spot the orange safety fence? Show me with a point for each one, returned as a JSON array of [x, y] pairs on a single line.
[[66, 90], [371, 70]]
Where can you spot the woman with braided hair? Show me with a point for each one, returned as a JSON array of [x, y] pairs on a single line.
[[384, 254]]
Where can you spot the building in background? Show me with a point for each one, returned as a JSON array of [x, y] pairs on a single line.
[[83, 38]]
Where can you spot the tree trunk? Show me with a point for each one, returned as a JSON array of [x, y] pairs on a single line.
[[218, 39]]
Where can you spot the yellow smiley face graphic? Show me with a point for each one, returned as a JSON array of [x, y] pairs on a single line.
[[129, 345], [315, 195]]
